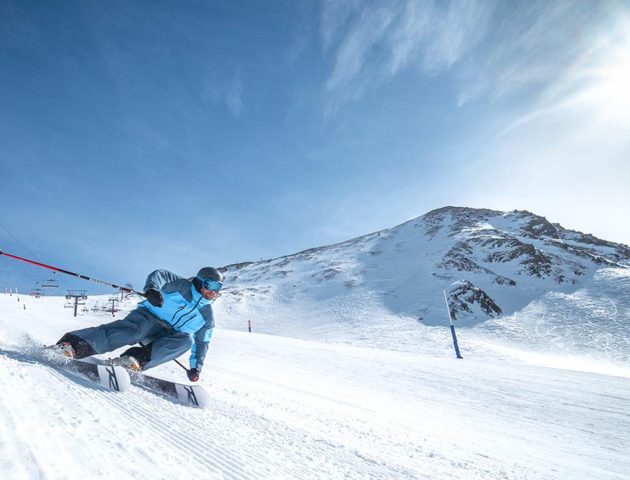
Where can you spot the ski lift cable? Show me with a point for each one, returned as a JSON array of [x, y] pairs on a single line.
[[18, 240], [22, 244]]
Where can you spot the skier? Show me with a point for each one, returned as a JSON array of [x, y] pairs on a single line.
[[176, 316]]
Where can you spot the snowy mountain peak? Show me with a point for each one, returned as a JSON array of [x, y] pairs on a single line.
[[491, 264]]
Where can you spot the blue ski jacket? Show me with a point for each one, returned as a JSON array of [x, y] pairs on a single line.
[[184, 310]]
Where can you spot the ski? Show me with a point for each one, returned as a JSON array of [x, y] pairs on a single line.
[[118, 378], [109, 376], [193, 395]]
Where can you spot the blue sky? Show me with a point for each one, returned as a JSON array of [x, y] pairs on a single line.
[[137, 135]]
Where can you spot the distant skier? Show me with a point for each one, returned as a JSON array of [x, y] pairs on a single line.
[[176, 316]]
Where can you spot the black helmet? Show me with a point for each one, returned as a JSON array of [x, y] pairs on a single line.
[[210, 273], [209, 278]]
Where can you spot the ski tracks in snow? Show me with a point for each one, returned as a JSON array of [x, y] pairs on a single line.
[[289, 409], [55, 424], [58, 425]]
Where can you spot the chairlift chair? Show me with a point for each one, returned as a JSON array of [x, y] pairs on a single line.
[[50, 283]]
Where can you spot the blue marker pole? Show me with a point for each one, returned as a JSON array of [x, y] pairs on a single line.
[[450, 319]]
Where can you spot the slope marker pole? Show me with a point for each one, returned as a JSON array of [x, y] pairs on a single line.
[[450, 319]]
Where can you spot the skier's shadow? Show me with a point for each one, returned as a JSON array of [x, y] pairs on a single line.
[[38, 359]]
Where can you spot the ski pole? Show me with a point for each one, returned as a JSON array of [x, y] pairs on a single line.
[[179, 363], [84, 277]]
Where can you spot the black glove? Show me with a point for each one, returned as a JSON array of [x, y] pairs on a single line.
[[154, 297], [193, 374]]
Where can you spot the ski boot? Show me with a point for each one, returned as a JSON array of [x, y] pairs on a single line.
[[65, 349], [128, 362], [74, 347]]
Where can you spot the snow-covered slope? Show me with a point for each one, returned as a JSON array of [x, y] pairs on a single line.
[[350, 373], [285, 408], [510, 276]]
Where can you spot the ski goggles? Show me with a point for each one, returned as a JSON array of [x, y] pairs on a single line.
[[213, 285]]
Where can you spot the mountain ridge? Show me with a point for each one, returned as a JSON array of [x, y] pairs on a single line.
[[492, 265], [543, 223]]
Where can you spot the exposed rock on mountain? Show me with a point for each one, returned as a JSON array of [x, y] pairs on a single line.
[[464, 296]]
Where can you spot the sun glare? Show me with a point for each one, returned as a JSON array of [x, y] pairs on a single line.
[[607, 89]]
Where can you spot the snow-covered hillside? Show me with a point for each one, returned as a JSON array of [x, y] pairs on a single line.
[[514, 280], [285, 408], [350, 371]]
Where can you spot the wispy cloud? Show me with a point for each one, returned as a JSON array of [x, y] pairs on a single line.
[[373, 41], [358, 46], [335, 14], [531, 45], [493, 49]]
